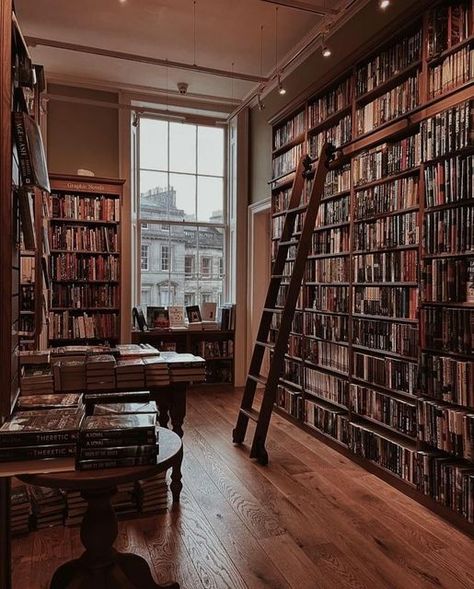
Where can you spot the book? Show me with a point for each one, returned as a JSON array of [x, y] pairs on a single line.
[[29, 143], [38, 402], [99, 426], [209, 311], [103, 463], [126, 408], [27, 218], [40, 427], [139, 318], [194, 314], [176, 317], [118, 452]]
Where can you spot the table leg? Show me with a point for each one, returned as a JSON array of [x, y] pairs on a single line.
[[163, 412], [101, 565], [178, 408], [176, 484]]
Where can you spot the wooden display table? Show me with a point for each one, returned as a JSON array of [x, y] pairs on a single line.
[[101, 566]]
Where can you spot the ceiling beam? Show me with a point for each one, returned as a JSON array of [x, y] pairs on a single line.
[[34, 41], [304, 6]]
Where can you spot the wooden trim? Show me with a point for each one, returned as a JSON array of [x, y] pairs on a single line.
[[89, 184]]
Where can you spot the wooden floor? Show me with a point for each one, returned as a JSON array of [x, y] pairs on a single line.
[[311, 519]]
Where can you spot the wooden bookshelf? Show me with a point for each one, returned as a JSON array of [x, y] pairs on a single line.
[[364, 364], [84, 259]]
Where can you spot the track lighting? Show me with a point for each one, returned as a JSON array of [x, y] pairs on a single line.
[[384, 4], [281, 88]]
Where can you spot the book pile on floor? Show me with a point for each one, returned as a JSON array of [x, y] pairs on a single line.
[[156, 372], [113, 441], [50, 402], [76, 507], [185, 367], [153, 494], [70, 375], [124, 501], [100, 372], [35, 434], [48, 507], [20, 510], [130, 373]]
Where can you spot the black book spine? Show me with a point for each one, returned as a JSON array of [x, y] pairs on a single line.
[[40, 438], [37, 452], [119, 452], [115, 463]]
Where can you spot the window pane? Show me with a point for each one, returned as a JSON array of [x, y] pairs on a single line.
[[153, 144], [153, 190], [211, 151], [183, 192], [182, 148], [210, 199]]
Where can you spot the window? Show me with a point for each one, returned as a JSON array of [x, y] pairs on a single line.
[[144, 225], [206, 267], [188, 265], [181, 202], [165, 257], [145, 257]]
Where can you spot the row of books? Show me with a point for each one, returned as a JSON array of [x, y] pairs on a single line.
[[215, 349], [448, 280], [386, 267], [328, 327], [448, 379], [446, 428], [449, 231], [295, 346], [326, 386], [289, 130], [386, 159], [91, 239], [286, 162], [387, 232], [398, 338], [333, 211], [85, 295], [398, 414], [328, 355], [338, 135], [331, 102], [280, 200], [69, 326], [386, 301], [330, 241], [386, 198], [332, 422], [27, 269], [77, 267], [449, 181], [292, 372], [395, 58], [448, 25], [337, 181], [27, 297], [328, 270], [390, 373], [289, 400], [93, 208], [448, 131], [453, 71], [331, 299], [394, 103], [451, 330]]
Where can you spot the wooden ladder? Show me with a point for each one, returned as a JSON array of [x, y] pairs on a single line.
[[262, 417]]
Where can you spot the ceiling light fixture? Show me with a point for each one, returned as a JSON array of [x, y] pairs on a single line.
[[281, 88], [384, 4], [325, 50]]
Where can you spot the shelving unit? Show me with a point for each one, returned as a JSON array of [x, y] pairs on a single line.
[[84, 259], [371, 360]]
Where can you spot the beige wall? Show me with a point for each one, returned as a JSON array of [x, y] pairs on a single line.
[[82, 135], [347, 45]]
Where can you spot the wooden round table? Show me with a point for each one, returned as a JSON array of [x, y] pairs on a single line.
[[101, 566]]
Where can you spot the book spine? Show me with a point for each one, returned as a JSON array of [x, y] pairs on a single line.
[[29, 453], [118, 452], [115, 463], [40, 438]]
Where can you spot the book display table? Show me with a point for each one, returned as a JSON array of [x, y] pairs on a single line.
[[101, 565]]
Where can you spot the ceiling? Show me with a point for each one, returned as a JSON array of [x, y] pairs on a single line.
[[228, 36]]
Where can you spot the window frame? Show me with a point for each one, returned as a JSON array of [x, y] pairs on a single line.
[[146, 258], [165, 248]]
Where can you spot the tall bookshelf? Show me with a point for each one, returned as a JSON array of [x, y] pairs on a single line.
[[374, 361], [84, 260]]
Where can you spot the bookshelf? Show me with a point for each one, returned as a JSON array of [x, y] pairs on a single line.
[[84, 259], [375, 364]]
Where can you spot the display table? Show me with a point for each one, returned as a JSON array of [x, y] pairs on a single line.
[[101, 566]]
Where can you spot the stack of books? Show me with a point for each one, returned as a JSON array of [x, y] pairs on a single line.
[[136, 351], [114, 441], [76, 507], [43, 434], [48, 507], [156, 372], [78, 352], [36, 379], [130, 373], [153, 494], [126, 408], [70, 375], [100, 372], [50, 402], [185, 367], [20, 509], [124, 501]]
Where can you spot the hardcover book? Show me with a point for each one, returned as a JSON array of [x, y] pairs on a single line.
[[33, 167]]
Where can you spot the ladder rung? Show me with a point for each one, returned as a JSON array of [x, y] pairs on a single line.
[[265, 345], [279, 276], [250, 413], [259, 379], [272, 310], [288, 243], [297, 209]]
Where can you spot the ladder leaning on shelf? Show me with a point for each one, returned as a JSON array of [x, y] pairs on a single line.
[[326, 162]]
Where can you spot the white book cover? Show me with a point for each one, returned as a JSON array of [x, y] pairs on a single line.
[[176, 316]]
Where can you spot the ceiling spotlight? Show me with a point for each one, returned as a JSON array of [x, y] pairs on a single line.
[[384, 4], [281, 88], [325, 51]]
